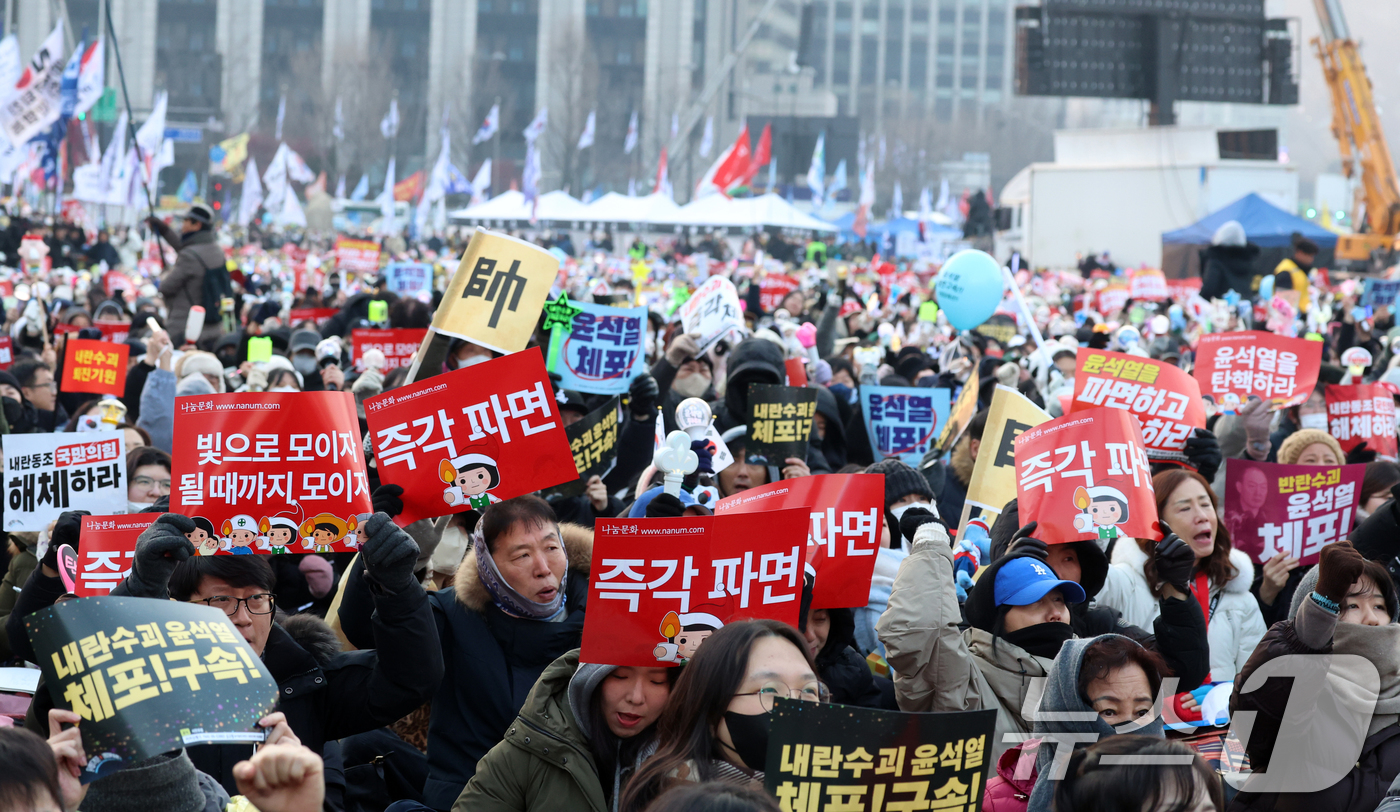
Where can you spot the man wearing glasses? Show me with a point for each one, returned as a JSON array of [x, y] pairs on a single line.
[[40, 390]]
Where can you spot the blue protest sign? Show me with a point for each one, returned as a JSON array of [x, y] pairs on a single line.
[[602, 352], [1379, 293], [408, 278], [902, 421]]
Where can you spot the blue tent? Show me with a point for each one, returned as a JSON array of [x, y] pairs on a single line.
[[1265, 224], [876, 231]]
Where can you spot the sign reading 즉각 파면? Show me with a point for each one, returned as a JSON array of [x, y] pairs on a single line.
[[46, 474], [903, 420], [780, 421], [593, 441], [712, 311], [1295, 510], [107, 545]]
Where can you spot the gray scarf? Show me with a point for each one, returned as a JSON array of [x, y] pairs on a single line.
[[1380, 645], [504, 596]]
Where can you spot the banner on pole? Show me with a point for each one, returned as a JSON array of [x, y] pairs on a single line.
[[495, 297]]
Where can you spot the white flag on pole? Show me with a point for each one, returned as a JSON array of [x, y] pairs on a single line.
[[386, 201], [707, 141], [489, 126], [389, 125], [281, 116], [481, 184], [252, 196], [586, 140], [816, 172], [536, 128], [36, 102], [631, 142], [338, 129], [91, 78]]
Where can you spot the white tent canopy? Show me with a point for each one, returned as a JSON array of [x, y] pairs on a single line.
[[617, 208], [768, 210], [511, 205]]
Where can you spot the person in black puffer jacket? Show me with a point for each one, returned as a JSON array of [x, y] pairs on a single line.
[[757, 360], [1228, 264], [830, 633]]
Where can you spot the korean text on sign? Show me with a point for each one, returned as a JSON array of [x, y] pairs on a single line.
[[1232, 366], [398, 345], [660, 586], [1362, 413], [840, 757], [106, 547], [1296, 510], [602, 352], [902, 421], [780, 421], [408, 278], [1165, 400], [497, 292], [712, 311], [502, 439], [242, 459], [46, 474], [357, 256], [593, 441], [98, 367]]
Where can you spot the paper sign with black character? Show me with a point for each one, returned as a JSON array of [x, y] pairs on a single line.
[[780, 421], [593, 441], [148, 677], [842, 757]]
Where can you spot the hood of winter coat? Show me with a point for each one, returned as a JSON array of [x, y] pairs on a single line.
[[840, 636], [1233, 253], [961, 461], [755, 360], [314, 635], [834, 443], [471, 593], [1131, 555]]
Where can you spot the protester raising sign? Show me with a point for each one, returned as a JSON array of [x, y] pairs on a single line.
[[97, 367], [280, 472], [108, 544], [1294, 510], [1165, 400], [1147, 284], [507, 440], [963, 410], [1362, 413], [593, 441], [844, 757], [993, 482], [903, 420], [780, 421], [356, 256], [646, 611], [46, 474], [775, 287], [148, 677], [712, 311], [1379, 293], [1232, 366], [1084, 476], [494, 298], [408, 278], [846, 513], [398, 346], [600, 350]]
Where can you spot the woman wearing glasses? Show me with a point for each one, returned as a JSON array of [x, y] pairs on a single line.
[[149, 477], [715, 725]]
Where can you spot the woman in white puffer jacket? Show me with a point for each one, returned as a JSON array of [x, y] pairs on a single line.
[[1187, 506]]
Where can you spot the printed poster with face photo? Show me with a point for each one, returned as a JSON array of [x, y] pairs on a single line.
[[1294, 510]]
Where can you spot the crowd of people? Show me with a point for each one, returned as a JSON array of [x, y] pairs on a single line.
[[438, 668]]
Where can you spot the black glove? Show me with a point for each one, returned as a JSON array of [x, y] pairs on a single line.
[[913, 519], [664, 506], [642, 396], [1098, 341], [387, 499], [1203, 453], [1024, 543], [159, 549], [1360, 454], [390, 554], [1175, 560], [65, 531]]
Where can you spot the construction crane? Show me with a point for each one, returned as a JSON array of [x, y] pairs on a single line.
[[1357, 128]]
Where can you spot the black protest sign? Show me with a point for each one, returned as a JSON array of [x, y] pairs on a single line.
[[780, 421], [149, 676], [593, 441], [837, 756]]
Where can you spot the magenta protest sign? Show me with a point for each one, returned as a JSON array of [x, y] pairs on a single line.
[[1297, 510]]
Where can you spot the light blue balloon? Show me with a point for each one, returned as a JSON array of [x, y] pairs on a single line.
[[969, 288]]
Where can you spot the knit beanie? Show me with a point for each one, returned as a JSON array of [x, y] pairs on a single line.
[[168, 782], [900, 480], [1292, 447]]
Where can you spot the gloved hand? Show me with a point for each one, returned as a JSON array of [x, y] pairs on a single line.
[[390, 553], [159, 549], [642, 396], [1339, 566], [65, 531], [664, 506], [1361, 454], [1203, 453], [387, 499], [1098, 341], [912, 520], [683, 347], [369, 384], [1256, 417], [1024, 543], [1175, 560]]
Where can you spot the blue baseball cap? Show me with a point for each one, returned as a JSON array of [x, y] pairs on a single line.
[[1023, 581]]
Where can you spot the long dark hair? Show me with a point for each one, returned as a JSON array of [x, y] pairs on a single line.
[[1090, 785], [608, 750], [697, 704], [1216, 565]]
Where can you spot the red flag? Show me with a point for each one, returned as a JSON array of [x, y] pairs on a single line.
[[410, 187], [737, 164], [661, 172], [761, 156]]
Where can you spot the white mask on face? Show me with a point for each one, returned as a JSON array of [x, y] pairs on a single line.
[[283, 389], [691, 386], [898, 512], [137, 507], [1314, 421], [471, 361]]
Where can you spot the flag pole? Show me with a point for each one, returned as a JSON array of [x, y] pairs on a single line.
[[131, 120]]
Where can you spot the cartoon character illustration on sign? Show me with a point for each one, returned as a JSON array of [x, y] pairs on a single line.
[[240, 533], [470, 477], [1102, 509], [279, 534], [684, 634], [203, 537], [358, 540], [323, 530]]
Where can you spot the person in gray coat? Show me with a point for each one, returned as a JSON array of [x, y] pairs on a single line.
[[182, 286]]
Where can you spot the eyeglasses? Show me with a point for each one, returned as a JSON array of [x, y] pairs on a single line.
[[811, 692], [257, 604], [148, 483], [52, 386]]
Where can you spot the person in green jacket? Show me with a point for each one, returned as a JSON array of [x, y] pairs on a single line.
[[816, 252], [576, 741]]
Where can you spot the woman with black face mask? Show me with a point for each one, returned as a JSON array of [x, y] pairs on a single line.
[[715, 725]]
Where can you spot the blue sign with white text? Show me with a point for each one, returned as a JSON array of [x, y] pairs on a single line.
[[903, 421], [603, 352]]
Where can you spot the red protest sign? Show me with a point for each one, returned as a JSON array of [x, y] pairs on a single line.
[[112, 330], [1296, 510], [316, 314], [1179, 290], [108, 544], [773, 288], [1086, 476], [7, 352], [1362, 413], [279, 472], [1232, 366], [846, 512], [1165, 400], [507, 441], [357, 256], [1147, 284], [1113, 298], [92, 366], [399, 346], [796, 372], [659, 587]]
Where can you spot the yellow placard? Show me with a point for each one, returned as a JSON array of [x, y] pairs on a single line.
[[496, 295], [963, 410], [994, 474]]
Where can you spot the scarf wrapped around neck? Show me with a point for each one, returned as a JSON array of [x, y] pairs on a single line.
[[504, 595], [1381, 646]]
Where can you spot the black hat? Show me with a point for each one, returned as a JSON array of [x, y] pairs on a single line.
[[200, 214], [900, 480]]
